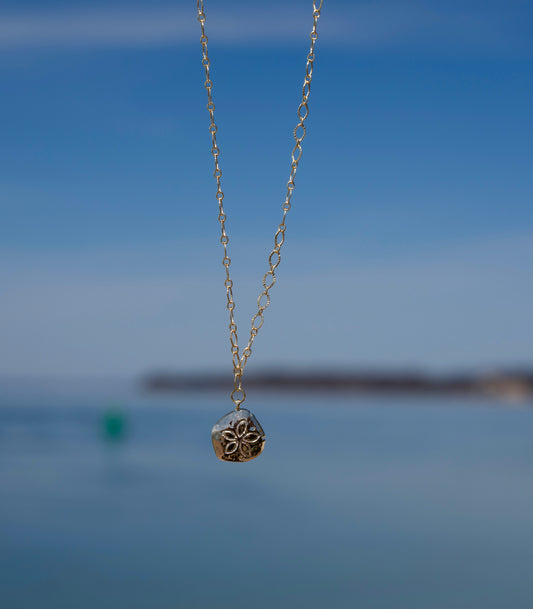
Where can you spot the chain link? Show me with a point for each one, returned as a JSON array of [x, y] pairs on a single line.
[[238, 394]]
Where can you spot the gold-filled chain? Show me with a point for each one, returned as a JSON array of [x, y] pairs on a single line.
[[238, 394]]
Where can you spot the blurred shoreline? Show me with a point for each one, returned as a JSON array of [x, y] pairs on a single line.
[[509, 385]]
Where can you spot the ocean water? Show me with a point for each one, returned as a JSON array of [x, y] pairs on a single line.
[[371, 502]]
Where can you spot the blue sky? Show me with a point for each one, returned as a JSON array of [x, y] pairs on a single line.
[[410, 242]]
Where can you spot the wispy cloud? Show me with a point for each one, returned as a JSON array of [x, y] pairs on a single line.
[[361, 24], [95, 28]]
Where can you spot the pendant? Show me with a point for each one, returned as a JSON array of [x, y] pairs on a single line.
[[238, 436]]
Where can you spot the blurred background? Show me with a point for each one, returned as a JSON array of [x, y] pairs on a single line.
[[409, 251]]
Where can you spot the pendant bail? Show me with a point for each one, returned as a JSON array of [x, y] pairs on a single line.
[[238, 395]]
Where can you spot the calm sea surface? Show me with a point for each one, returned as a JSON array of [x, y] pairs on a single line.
[[378, 503]]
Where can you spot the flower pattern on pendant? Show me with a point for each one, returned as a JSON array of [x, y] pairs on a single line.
[[239, 438]]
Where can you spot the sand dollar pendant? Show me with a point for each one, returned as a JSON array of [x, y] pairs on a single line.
[[238, 436]]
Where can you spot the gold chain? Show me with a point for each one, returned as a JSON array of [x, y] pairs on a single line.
[[239, 361]]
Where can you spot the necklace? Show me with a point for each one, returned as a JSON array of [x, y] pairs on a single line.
[[238, 436]]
